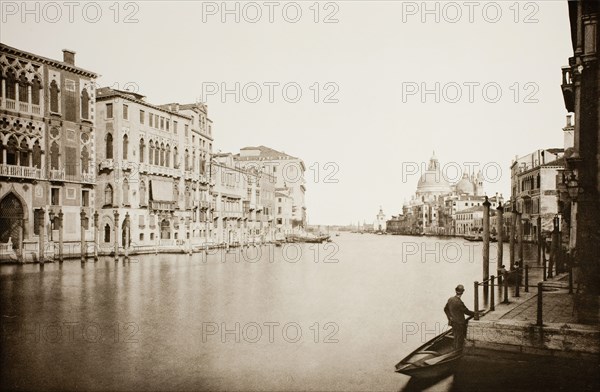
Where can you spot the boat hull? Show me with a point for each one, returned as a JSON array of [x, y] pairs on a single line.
[[436, 358]]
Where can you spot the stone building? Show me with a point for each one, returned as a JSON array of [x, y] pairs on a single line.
[[436, 201], [47, 149], [153, 176], [379, 226], [288, 172], [534, 190], [581, 184]]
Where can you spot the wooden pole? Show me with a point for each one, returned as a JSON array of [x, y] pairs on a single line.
[[486, 249], [499, 230], [513, 224]]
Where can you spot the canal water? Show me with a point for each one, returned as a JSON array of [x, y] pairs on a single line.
[[334, 316]]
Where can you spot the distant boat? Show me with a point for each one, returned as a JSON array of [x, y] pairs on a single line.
[[434, 359]]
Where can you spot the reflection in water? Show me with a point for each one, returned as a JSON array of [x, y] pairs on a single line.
[[335, 316]]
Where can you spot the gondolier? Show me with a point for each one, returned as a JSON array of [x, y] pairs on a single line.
[[456, 310]]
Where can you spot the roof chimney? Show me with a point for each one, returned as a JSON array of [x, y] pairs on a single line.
[[569, 117], [69, 56]]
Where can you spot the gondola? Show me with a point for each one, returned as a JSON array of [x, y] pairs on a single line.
[[436, 358]]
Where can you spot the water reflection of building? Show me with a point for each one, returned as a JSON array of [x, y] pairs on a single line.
[[46, 153]]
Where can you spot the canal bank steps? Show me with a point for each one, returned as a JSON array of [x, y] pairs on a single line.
[[512, 330], [32, 258]]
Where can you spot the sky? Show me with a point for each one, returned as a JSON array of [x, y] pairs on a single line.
[[362, 91]]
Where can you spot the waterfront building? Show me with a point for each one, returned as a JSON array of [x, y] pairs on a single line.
[[433, 208], [581, 184], [534, 189], [47, 149], [284, 204], [379, 225], [152, 175], [469, 220], [229, 193], [288, 172]]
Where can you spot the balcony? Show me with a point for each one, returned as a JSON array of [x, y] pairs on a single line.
[[20, 171], [162, 205], [56, 175], [203, 179], [568, 88], [106, 164], [189, 175], [204, 205], [88, 178], [21, 107]]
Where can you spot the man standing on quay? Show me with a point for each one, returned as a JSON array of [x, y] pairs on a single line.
[[455, 310]]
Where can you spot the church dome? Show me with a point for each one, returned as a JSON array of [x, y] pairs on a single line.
[[432, 181], [465, 186]]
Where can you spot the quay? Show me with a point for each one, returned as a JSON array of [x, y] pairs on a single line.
[[541, 317]]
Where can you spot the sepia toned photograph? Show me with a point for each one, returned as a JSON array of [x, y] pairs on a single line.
[[304, 195]]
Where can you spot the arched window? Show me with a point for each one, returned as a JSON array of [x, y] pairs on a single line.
[[85, 104], [36, 87], [157, 154], [54, 156], [162, 154], [1, 144], [109, 146], [168, 156], [85, 160], [23, 88], [193, 167], [151, 153], [125, 146], [11, 85], [142, 193], [11, 151], [107, 233], [175, 158], [54, 97], [187, 160], [37, 155], [125, 192], [108, 195], [142, 150], [24, 153]]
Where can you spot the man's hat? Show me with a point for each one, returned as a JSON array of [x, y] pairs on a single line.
[[460, 289]]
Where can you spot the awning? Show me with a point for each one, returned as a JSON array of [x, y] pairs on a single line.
[[161, 190]]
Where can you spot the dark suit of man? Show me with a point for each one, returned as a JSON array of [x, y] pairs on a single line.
[[455, 310]]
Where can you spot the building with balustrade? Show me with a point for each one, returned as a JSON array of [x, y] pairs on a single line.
[[288, 172], [229, 194], [47, 149], [153, 174]]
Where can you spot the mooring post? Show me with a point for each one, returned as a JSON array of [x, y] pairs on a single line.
[[492, 294], [505, 280], [486, 249], [539, 305], [476, 305]]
